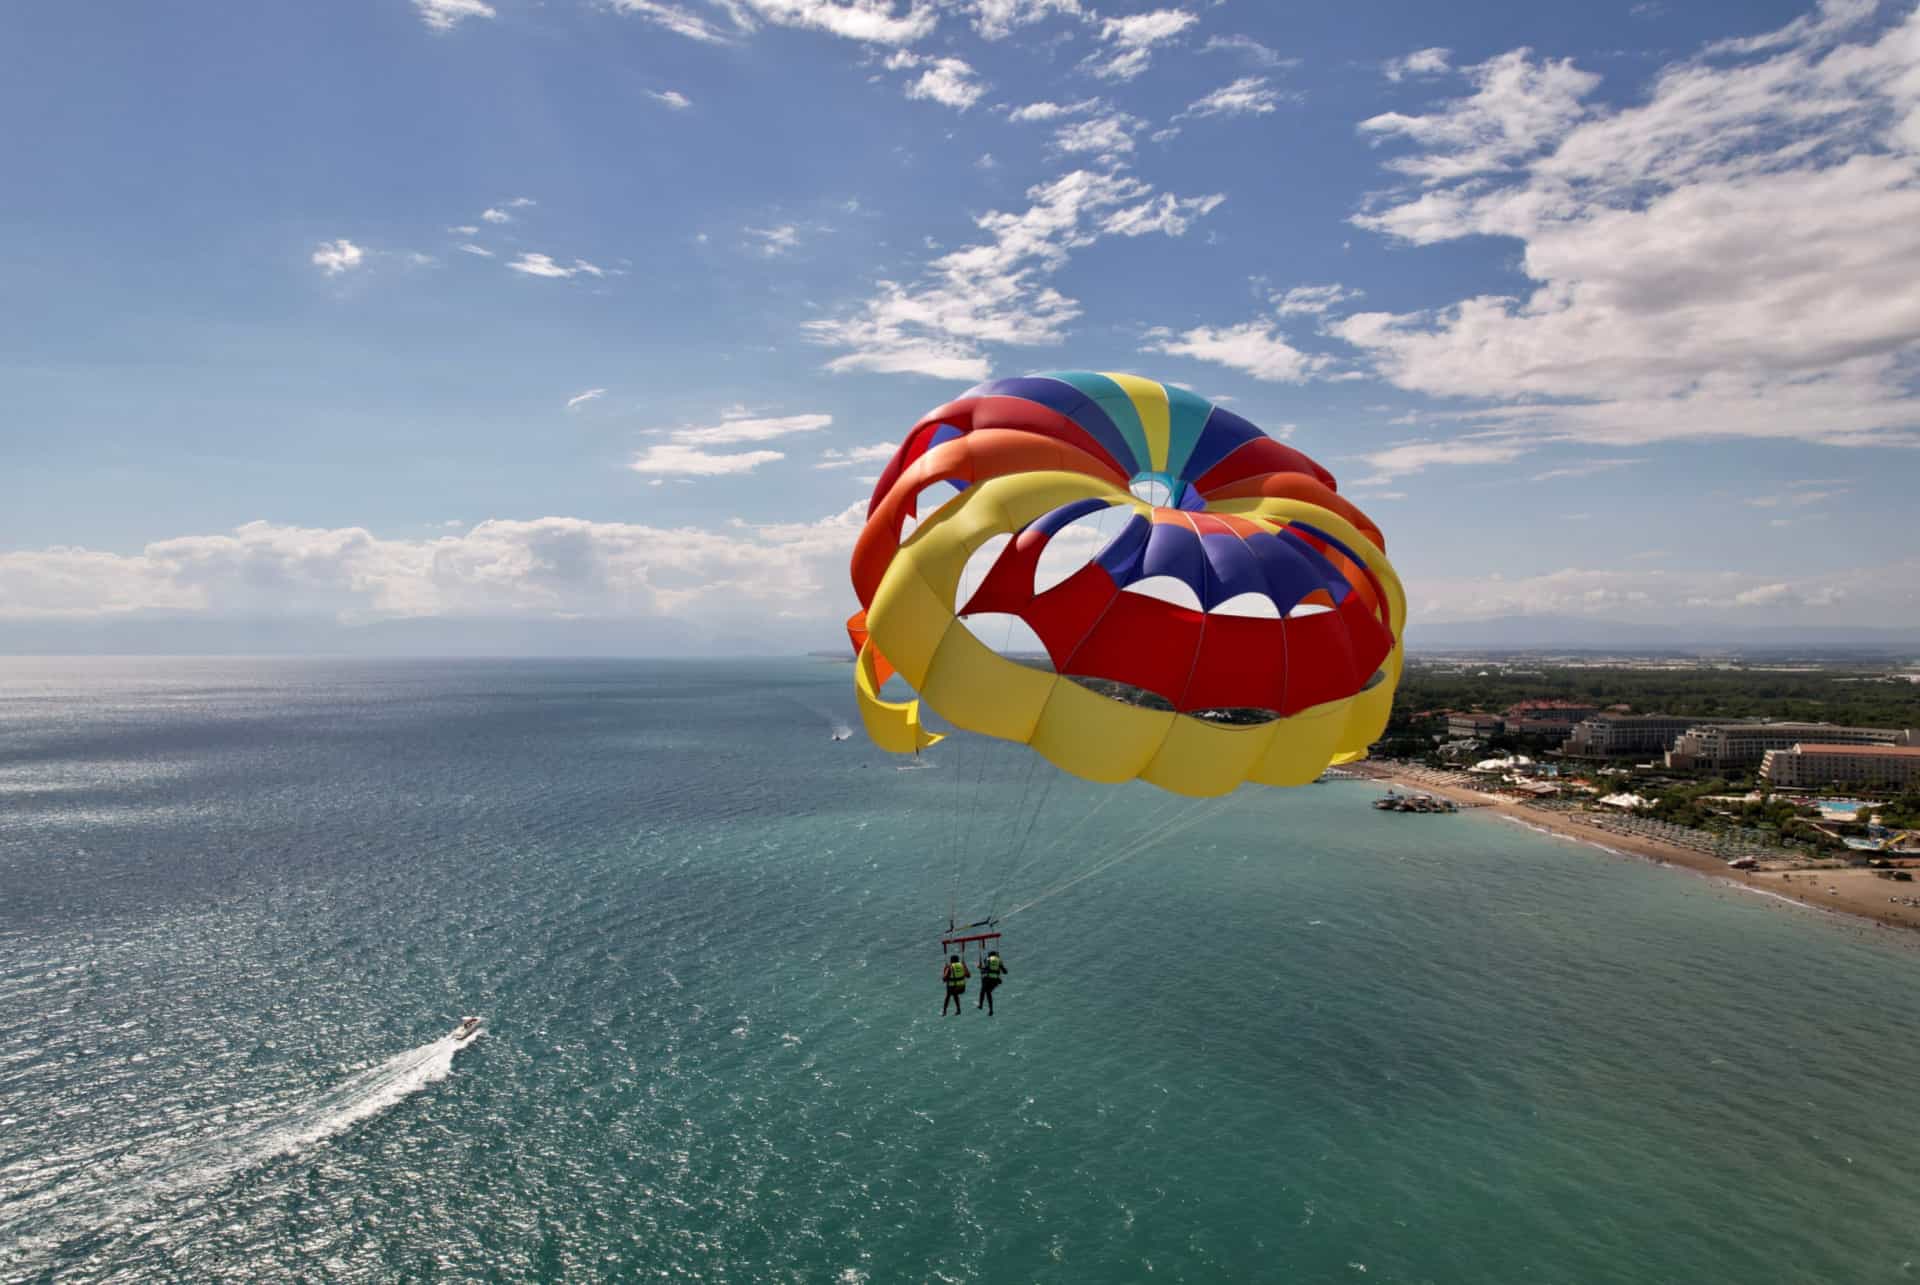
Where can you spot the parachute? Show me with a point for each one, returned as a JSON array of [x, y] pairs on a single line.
[[1242, 625]]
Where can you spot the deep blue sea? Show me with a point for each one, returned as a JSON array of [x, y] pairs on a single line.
[[1280, 1037]]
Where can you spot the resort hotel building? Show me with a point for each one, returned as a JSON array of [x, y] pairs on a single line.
[[1810, 766], [1714, 747]]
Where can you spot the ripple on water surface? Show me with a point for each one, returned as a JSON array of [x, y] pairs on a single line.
[[1297, 1040]]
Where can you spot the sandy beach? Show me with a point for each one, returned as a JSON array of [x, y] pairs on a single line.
[[1848, 892]]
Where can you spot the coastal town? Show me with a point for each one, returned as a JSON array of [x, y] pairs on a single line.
[[1800, 778]]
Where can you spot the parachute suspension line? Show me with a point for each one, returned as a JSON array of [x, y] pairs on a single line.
[[1016, 850], [964, 856], [1153, 838], [1106, 796], [997, 862], [1162, 812]]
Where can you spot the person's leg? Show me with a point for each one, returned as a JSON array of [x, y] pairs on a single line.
[[988, 996]]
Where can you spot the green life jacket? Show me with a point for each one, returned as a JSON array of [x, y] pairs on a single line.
[[991, 969], [956, 973]]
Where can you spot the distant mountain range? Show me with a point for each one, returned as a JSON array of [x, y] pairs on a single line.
[[1586, 633]]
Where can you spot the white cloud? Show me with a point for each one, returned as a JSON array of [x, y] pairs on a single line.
[[469, 248], [1254, 347], [1518, 108], [445, 15], [465, 229], [1709, 261], [872, 21], [674, 18], [1312, 299], [672, 98], [335, 257], [1421, 62], [1166, 213], [1584, 468], [996, 19], [545, 567], [736, 426], [1249, 48], [1131, 39], [1105, 136], [581, 399], [521, 202], [1412, 457], [1796, 499], [947, 81], [691, 461], [1046, 111], [539, 265], [688, 452], [1670, 596], [1248, 96], [996, 291], [493, 215], [876, 453], [775, 241]]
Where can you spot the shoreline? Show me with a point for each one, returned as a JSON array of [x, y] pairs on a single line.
[[1853, 893]]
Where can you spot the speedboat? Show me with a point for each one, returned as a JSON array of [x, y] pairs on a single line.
[[468, 1028]]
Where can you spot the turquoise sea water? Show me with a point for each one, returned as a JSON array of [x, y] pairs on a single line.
[[242, 902]]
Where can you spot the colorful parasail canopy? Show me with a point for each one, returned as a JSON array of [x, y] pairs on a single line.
[[1244, 625]]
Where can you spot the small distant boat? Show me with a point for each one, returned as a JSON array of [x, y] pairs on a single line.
[[468, 1028], [842, 733]]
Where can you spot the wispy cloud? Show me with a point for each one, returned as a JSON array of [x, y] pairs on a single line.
[[870, 21], [445, 15], [1249, 48], [690, 451], [1313, 300], [997, 291], [469, 248], [1130, 42], [1255, 347], [1248, 96], [1047, 111], [1585, 468], [873, 454], [996, 19], [581, 399], [1421, 62], [672, 98], [1700, 256], [335, 257], [948, 81], [1413, 457], [493, 214], [775, 241], [678, 19], [1105, 136], [1795, 499], [540, 265]]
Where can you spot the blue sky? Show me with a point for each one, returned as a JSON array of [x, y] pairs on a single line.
[[600, 309]]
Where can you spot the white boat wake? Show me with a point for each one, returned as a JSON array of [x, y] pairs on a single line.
[[360, 1096], [71, 1199]]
